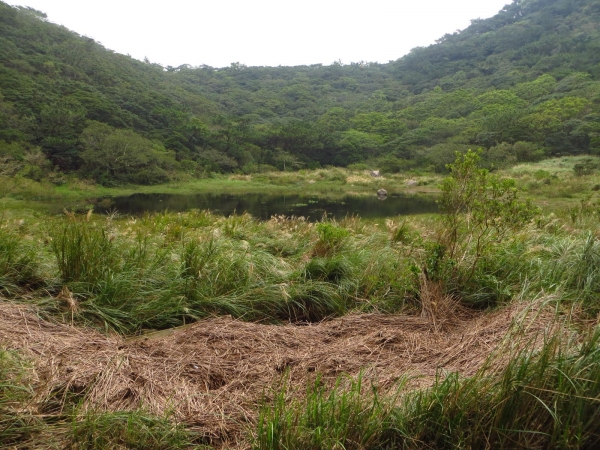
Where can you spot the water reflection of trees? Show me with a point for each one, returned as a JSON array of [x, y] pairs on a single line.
[[264, 205]]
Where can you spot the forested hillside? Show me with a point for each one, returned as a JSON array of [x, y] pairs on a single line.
[[522, 85]]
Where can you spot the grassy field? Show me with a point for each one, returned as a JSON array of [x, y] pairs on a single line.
[[181, 330]]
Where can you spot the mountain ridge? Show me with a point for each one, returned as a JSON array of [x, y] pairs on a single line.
[[521, 85]]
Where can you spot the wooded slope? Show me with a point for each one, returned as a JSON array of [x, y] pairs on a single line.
[[522, 85]]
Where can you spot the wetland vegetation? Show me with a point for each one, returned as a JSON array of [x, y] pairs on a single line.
[[126, 275], [473, 325]]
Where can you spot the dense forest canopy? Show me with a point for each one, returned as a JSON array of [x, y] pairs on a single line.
[[522, 85]]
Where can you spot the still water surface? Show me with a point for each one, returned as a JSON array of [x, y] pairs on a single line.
[[264, 206]]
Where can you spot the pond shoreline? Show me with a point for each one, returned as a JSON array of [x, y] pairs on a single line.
[[264, 206]]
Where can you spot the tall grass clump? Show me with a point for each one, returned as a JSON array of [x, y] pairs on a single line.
[[353, 417], [84, 252], [107, 279], [127, 429], [570, 265], [331, 238], [545, 398], [18, 265], [166, 270], [501, 273], [222, 276]]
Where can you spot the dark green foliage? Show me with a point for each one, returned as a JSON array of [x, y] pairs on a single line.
[[120, 156], [586, 167], [327, 269]]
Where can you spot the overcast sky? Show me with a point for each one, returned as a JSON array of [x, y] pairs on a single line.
[[264, 32]]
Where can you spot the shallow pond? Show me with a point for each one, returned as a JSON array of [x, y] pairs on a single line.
[[264, 206]]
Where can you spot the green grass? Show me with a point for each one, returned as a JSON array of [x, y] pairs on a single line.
[[547, 398], [349, 416], [558, 183], [542, 399], [165, 270], [16, 426], [18, 265], [127, 430]]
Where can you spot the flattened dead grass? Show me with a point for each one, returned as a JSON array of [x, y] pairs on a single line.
[[213, 374]]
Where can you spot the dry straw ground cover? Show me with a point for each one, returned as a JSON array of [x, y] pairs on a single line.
[[214, 374]]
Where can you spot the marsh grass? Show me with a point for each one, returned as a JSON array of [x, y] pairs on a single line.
[[348, 416], [543, 398], [84, 252], [16, 426], [557, 180], [164, 270], [128, 430], [19, 269], [570, 264]]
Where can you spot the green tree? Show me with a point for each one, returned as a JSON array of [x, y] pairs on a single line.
[[113, 156], [479, 210], [59, 130]]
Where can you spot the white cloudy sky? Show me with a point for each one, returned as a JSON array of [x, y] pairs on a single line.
[[264, 32]]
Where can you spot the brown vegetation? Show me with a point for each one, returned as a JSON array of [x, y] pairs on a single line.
[[213, 374]]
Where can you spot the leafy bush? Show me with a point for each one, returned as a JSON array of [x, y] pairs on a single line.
[[479, 211]]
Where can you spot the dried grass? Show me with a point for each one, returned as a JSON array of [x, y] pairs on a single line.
[[213, 374]]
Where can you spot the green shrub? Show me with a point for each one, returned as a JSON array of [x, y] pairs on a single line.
[[479, 211]]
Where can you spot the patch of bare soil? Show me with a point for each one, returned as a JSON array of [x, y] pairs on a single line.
[[214, 373]]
